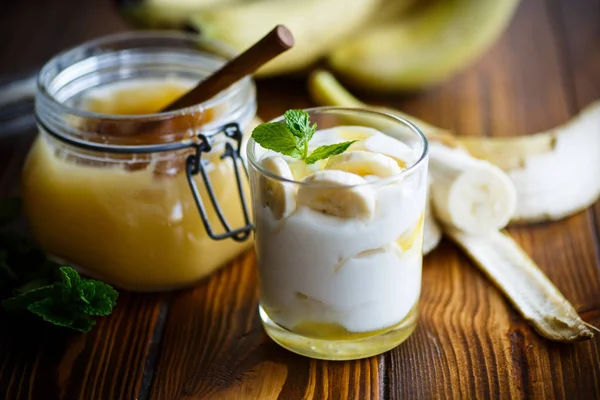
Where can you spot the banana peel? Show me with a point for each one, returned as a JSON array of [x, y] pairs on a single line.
[[423, 49], [535, 297], [317, 25], [556, 173]]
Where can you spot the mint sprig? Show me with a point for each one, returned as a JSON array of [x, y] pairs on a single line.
[[291, 138], [32, 284]]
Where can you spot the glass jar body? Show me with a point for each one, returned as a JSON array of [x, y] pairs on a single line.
[[130, 219]]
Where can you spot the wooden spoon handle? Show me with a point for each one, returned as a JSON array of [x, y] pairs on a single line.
[[274, 43]]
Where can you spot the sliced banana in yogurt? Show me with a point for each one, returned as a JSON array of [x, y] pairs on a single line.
[[328, 192], [364, 163], [279, 196]]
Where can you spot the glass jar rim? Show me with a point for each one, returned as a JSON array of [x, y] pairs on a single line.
[[422, 158], [42, 86]]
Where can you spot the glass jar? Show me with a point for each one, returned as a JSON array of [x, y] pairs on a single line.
[[143, 200], [339, 243]]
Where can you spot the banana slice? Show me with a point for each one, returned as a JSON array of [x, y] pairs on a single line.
[[327, 191], [471, 195], [279, 196], [364, 163]]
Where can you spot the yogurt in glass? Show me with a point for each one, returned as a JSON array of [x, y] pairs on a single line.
[[339, 242]]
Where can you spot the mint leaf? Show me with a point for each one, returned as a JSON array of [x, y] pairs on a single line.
[[24, 300], [98, 297], [52, 311], [322, 152], [70, 277], [277, 137], [292, 137], [310, 132], [297, 122]]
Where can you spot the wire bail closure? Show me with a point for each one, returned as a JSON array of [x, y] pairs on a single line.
[[194, 166]]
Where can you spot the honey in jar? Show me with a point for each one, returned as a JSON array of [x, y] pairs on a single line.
[[130, 218]]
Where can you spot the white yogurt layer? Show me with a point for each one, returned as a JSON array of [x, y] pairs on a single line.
[[321, 268]]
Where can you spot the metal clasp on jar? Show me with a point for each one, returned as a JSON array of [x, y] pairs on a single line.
[[194, 166]]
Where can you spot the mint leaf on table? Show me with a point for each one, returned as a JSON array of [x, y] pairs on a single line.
[[31, 284], [67, 302], [291, 138], [70, 278], [323, 152], [98, 297], [24, 300], [53, 311]]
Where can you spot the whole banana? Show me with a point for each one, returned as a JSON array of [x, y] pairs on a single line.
[[172, 14], [422, 48], [317, 25]]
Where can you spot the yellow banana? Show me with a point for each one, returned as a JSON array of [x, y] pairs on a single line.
[[154, 14], [422, 49], [317, 26]]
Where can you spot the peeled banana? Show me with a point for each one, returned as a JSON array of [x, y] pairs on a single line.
[[279, 196], [317, 25], [364, 163], [496, 254], [555, 173], [423, 49], [328, 192], [471, 195], [528, 289]]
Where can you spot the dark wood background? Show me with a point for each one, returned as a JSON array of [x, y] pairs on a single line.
[[207, 343]]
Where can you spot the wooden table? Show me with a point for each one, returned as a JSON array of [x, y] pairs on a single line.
[[207, 342]]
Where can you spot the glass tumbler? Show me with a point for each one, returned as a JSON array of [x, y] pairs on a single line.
[[345, 286]]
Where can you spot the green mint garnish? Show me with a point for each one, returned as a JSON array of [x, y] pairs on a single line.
[[68, 300], [291, 138], [30, 283]]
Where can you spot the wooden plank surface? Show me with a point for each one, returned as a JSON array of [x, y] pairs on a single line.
[[207, 342]]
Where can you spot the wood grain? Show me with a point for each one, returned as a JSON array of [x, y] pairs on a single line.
[[214, 347], [207, 342], [108, 363], [492, 350]]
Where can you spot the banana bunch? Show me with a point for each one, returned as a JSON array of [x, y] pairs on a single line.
[[481, 184], [377, 44]]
